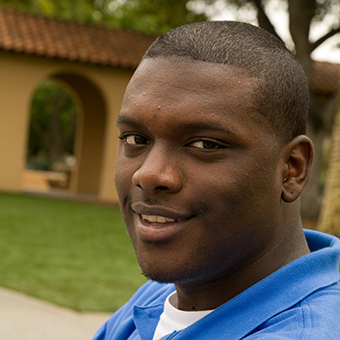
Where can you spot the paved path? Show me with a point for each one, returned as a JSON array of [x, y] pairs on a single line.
[[27, 318]]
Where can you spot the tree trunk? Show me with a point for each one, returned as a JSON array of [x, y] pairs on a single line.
[[301, 13], [329, 220]]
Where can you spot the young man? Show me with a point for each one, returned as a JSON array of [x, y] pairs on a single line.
[[212, 160]]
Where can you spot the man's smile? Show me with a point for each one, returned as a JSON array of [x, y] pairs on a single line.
[[157, 228], [157, 219], [156, 223], [158, 213]]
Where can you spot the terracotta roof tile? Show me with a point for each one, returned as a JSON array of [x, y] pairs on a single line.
[[53, 38]]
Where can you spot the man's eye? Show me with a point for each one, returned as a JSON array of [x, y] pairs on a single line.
[[205, 144], [135, 140]]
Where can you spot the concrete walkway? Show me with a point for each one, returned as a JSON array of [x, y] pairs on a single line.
[[27, 318]]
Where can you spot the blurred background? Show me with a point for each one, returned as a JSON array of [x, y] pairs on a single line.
[[64, 66]]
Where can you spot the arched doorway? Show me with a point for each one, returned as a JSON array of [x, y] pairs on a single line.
[[81, 162], [50, 153]]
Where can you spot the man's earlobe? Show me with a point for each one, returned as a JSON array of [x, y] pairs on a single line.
[[298, 155]]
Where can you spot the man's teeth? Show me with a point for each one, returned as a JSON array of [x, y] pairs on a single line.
[[157, 219]]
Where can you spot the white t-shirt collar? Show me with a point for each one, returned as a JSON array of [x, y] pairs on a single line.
[[173, 319]]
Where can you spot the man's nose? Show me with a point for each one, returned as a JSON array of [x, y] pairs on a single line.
[[159, 172]]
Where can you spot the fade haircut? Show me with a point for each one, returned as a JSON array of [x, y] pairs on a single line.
[[281, 90]]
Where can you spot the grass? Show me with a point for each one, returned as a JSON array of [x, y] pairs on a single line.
[[73, 254]]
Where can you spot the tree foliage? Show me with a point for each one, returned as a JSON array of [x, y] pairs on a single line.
[[155, 16], [80, 10], [151, 16]]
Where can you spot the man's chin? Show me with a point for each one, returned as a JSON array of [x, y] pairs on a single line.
[[165, 277], [158, 277]]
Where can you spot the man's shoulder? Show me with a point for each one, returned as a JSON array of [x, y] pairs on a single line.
[[314, 317], [322, 311]]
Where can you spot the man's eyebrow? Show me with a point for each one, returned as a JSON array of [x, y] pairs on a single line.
[[122, 119], [190, 127], [203, 126]]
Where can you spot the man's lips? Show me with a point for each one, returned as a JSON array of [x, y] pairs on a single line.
[[157, 223], [157, 219], [156, 211]]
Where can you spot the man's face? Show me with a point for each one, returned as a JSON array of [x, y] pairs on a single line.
[[196, 172]]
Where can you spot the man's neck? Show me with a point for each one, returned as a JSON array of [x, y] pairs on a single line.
[[211, 294]]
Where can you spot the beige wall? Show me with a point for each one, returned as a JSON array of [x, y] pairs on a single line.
[[99, 91]]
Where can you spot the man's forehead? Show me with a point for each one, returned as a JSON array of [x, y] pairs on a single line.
[[184, 76], [150, 67], [179, 90]]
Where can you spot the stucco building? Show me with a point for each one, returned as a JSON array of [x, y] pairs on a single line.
[[94, 63]]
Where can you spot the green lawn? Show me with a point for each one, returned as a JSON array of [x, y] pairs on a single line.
[[72, 254]]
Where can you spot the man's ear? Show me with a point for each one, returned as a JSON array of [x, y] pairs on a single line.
[[297, 156]]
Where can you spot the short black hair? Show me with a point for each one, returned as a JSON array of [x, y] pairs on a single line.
[[281, 93]]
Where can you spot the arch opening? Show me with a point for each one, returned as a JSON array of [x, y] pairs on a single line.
[[50, 153], [66, 138]]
